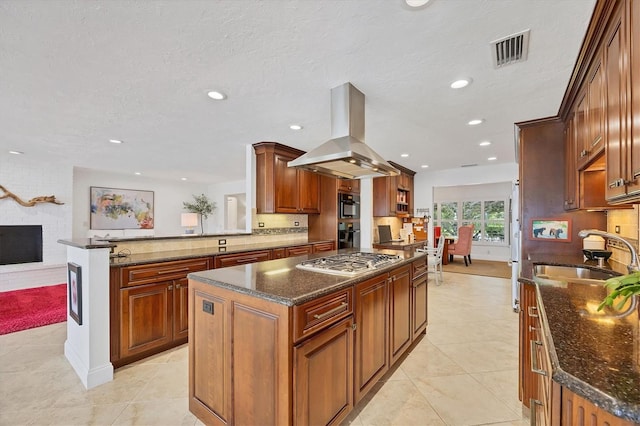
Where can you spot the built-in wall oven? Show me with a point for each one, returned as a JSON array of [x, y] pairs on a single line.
[[348, 206], [348, 235]]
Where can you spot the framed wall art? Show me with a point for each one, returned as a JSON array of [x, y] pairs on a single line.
[[556, 230], [113, 208], [75, 291]]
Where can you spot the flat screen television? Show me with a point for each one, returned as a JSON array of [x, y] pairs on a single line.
[[20, 244]]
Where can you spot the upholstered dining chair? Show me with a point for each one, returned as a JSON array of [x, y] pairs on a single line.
[[462, 246]]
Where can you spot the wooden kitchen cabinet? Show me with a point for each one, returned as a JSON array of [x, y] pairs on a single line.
[[371, 347], [527, 380], [348, 185], [149, 307], [298, 250], [393, 195], [320, 247], [282, 189], [577, 411], [419, 278], [571, 188], [400, 332]]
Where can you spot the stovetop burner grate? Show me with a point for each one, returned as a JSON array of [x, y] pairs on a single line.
[[350, 264]]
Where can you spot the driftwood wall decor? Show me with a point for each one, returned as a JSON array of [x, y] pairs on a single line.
[[32, 202]]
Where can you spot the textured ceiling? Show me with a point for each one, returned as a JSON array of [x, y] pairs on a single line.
[[74, 74]]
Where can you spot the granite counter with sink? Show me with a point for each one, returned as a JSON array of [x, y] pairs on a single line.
[[593, 355]]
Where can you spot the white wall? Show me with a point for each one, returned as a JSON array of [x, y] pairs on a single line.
[[168, 198], [218, 192], [424, 182], [28, 179]]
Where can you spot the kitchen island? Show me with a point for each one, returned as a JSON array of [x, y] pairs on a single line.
[[572, 359], [272, 344]]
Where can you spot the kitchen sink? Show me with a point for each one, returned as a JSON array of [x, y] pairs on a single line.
[[585, 287], [572, 273]]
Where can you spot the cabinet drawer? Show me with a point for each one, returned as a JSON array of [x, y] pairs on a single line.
[[225, 260], [320, 313], [156, 272], [323, 247], [419, 268], [278, 253], [298, 250]]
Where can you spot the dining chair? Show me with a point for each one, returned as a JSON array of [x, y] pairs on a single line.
[[462, 246], [434, 259]]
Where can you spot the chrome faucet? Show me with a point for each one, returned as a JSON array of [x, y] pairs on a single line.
[[635, 262]]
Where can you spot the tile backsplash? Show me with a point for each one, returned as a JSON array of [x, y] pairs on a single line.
[[628, 223]]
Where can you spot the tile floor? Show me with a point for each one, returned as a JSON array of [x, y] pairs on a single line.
[[464, 372]]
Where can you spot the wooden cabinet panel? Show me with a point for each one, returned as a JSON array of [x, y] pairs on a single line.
[[371, 348], [634, 69], [419, 305], [581, 130], [596, 110], [286, 192], [308, 192], [400, 312], [146, 320], [571, 173], [235, 259], [393, 195], [577, 411], [298, 250], [162, 271], [278, 253], [181, 309], [323, 381], [209, 355], [528, 381]]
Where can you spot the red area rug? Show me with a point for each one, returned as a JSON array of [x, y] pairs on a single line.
[[33, 307]]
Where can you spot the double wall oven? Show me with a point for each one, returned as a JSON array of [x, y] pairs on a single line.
[[348, 221]]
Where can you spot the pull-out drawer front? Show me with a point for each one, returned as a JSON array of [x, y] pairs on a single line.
[[319, 247], [298, 250], [317, 314], [156, 272], [225, 260], [419, 268]]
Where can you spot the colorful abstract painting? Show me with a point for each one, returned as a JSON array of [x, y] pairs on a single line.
[[113, 208]]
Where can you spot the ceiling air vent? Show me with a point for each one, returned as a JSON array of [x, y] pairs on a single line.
[[511, 49], [469, 165]]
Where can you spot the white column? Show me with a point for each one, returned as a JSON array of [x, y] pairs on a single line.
[[366, 213], [87, 345]]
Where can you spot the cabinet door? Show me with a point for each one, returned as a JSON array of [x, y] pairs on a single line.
[[528, 381], [348, 185], [146, 317], [320, 247], [595, 115], [308, 192], [571, 172], [225, 260], [615, 89], [419, 306], [298, 250], [582, 131], [384, 196], [372, 319], [400, 312], [286, 187], [577, 411], [181, 309], [323, 378], [634, 69]]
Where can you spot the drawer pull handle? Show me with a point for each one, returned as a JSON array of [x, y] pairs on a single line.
[[331, 311], [531, 310], [172, 271], [534, 358], [170, 287], [532, 328], [532, 411]]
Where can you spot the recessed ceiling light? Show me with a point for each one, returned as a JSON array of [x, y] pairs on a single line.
[[459, 84], [183, 178], [137, 173], [416, 3], [116, 141], [16, 152], [218, 96], [476, 121], [484, 143], [295, 127], [404, 155], [492, 158], [425, 166]]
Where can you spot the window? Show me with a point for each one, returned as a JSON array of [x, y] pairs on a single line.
[[488, 219]]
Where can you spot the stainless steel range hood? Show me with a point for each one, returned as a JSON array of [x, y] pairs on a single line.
[[345, 155]]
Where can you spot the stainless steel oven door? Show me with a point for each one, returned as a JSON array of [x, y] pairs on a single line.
[[348, 206]]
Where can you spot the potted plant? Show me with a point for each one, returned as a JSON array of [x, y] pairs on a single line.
[[201, 205], [625, 286]]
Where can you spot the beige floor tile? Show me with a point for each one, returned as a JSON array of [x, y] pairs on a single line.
[[171, 381], [168, 412], [504, 385], [398, 403], [461, 400], [429, 361], [482, 357], [82, 415]]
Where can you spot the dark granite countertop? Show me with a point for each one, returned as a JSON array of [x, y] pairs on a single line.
[[168, 255], [281, 282], [596, 358], [87, 243]]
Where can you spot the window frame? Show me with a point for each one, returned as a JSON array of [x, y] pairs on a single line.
[[459, 214]]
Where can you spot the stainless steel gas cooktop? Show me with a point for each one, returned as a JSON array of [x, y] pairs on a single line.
[[351, 264]]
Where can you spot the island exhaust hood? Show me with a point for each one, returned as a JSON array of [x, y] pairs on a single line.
[[345, 155]]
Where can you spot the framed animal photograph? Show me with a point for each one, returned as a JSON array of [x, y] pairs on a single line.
[[553, 230]]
